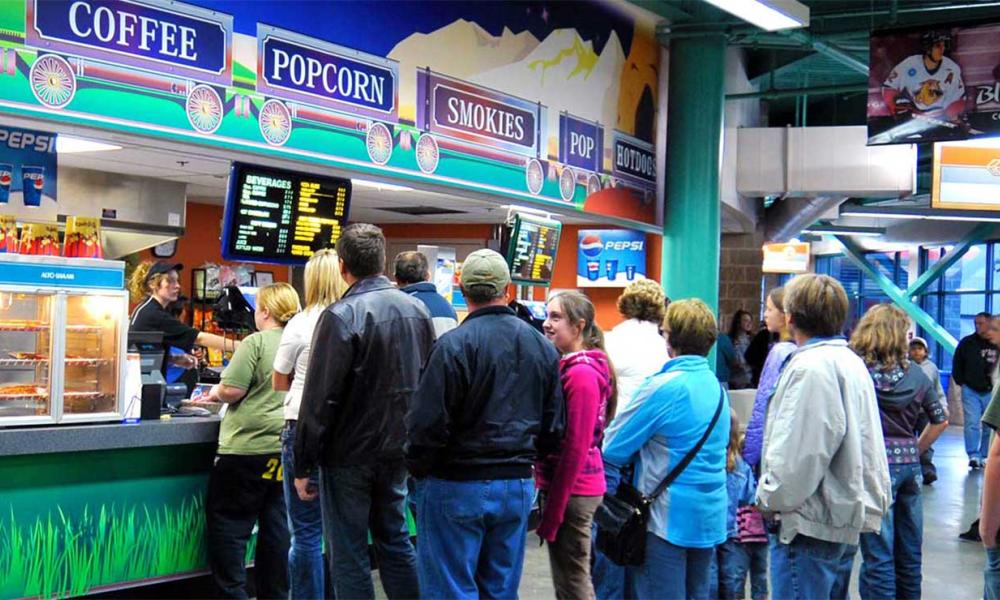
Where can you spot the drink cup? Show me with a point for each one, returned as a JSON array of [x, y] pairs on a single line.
[[6, 179], [593, 270], [33, 179], [630, 272], [611, 268]]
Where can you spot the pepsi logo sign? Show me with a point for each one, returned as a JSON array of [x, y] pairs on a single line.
[[624, 245], [591, 246]]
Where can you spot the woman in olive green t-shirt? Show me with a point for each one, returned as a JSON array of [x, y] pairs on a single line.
[[245, 484]]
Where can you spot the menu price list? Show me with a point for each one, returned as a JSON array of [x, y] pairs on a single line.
[[286, 216], [535, 251]]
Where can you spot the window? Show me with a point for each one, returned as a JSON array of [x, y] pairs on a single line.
[[863, 292]]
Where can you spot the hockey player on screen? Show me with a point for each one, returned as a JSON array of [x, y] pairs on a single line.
[[929, 84]]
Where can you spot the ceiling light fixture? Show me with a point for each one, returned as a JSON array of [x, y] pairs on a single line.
[[769, 15], [845, 230], [378, 185], [930, 214], [66, 144]]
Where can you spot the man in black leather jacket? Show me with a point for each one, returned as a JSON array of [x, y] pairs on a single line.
[[489, 403], [365, 362]]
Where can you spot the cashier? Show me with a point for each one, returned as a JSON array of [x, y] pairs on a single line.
[[156, 285]]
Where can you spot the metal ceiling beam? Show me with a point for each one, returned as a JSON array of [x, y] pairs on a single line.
[[979, 233], [820, 90], [830, 50]]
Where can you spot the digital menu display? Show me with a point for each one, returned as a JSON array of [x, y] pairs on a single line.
[[532, 251], [279, 216]]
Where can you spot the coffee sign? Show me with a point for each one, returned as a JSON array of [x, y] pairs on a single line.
[[167, 37]]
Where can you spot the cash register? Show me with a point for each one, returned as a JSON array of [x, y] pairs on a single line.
[[158, 396]]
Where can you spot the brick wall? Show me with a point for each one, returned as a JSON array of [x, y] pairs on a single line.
[[740, 275]]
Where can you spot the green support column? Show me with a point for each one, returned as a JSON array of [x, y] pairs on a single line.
[[691, 219]]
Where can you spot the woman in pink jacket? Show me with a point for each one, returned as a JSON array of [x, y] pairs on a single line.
[[572, 481]]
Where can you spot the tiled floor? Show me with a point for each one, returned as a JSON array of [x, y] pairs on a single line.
[[952, 568]]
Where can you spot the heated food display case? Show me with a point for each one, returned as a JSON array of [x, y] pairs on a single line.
[[63, 327]]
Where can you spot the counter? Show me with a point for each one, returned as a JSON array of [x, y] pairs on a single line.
[[83, 438], [100, 507]]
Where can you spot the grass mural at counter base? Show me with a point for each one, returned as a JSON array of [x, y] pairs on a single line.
[[61, 556]]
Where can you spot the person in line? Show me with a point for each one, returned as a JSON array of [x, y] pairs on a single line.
[[737, 559], [365, 363], [920, 356], [488, 405], [988, 525], [972, 368], [413, 276], [777, 324], [665, 421], [726, 362], [993, 335], [156, 286], [572, 479], [637, 351], [245, 483], [324, 286], [824, 474], [892, 558], [756, 354], [740, 331]]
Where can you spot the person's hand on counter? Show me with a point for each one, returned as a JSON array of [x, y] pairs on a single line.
[[226, 394], [184, 361], [306, 490]]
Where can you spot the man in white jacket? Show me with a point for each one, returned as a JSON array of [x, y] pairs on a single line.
[[824, 474]]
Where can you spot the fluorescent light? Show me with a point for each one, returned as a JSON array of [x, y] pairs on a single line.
[[378, 185], [70, 145], [845, 230], [922, 213], [769, 15]]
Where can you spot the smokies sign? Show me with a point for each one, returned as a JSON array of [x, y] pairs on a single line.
[[634, 160], [297, 67], [461, 110], [166, 37]]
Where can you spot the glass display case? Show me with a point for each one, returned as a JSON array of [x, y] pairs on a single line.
[[62, 345]]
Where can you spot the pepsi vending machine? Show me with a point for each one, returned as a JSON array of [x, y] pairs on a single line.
[[610, 257]]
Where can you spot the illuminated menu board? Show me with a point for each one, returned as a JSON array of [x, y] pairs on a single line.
[[279, 216], [532, 251]]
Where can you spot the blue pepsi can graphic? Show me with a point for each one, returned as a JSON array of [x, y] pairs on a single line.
[[593, 270], [6, 179], [33, 184], [604, 254], [611, 268]]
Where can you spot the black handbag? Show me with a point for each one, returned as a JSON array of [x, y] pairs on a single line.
[[622, 518]]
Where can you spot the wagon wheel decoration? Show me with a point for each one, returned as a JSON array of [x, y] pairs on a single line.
[[378, 141], [52, 81], [593, 184], [567, 184], [534, 176], [275, 122], [428, 153], [204, 109]]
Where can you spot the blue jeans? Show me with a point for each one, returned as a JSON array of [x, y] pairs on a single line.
[[977, 438], [671, 571], [472, 537], [842, 588], [992, 574], [356, 499], [610, 581], [736, 560], [306, 578], [891, 567], [805, 569]]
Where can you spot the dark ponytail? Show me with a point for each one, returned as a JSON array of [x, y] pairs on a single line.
[[578, 307]]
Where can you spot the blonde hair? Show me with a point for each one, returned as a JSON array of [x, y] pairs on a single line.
[[880, 337], [690, 326], [280, 300], [324, 283], [734, 450], [816, 305], [642, 300], [139, 287]]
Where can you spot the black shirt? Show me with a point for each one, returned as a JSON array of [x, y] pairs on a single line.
[[151, 316]]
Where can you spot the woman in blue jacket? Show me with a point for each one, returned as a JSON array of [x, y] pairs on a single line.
[[659, 427]]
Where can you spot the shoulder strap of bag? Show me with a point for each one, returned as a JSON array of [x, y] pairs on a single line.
[[676, 471]]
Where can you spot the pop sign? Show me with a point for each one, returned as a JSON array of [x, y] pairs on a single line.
[[610, 257]]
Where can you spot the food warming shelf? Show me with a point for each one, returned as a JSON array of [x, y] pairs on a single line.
[[8, 363]]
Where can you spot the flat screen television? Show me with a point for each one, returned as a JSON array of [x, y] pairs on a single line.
[[531, 250], [282, 217]]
